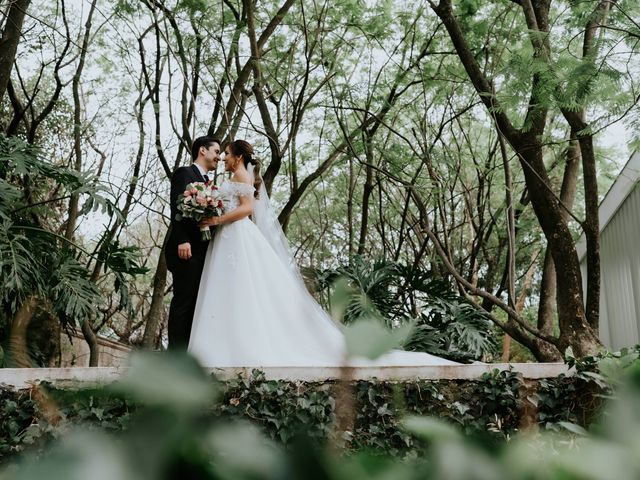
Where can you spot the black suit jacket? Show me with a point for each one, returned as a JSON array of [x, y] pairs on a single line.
[[186, 229]]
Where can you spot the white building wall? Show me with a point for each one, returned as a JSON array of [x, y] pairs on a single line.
[[620, 260]]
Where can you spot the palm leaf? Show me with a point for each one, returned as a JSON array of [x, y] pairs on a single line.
[[19, 275], [73, 295]]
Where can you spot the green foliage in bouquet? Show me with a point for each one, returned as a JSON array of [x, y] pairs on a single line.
[[199, 200]]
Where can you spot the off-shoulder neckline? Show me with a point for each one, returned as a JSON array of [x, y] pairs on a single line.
[[240, 183]]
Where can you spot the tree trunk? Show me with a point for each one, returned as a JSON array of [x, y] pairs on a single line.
[[44, 337], [591, 226], [92, 340], [10, 40], [366, 195], [548, 284], [154, 317], [77, 127], [575, 331], [519, 306], [18, 349], [580, 130], [87, 329]]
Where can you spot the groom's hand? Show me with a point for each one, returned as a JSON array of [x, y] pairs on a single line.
[[184, 251]]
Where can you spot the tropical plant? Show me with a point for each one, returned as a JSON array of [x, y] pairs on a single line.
[[445, 323], [41, 270]]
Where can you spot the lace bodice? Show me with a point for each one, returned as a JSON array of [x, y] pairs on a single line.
[[230, 192]]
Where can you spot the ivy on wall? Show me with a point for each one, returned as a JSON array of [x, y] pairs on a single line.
[[491, 407]]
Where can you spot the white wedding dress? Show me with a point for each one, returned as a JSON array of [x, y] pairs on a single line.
[[253, 309]]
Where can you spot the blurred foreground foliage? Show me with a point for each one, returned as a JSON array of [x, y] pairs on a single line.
[[167, 417]]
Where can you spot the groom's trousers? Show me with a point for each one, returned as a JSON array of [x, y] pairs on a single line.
[[186, 281]]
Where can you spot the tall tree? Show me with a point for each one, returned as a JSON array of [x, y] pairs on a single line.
[[11, 34], [575, 329]]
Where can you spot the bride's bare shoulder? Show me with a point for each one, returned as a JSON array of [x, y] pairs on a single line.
[[242, 177]]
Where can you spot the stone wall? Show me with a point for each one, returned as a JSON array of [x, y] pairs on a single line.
[[75, 351]]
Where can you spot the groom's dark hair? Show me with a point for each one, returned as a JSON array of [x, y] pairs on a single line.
[[205, 142]]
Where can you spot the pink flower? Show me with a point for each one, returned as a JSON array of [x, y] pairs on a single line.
[[201, 201], [194, 191], [187, 193]]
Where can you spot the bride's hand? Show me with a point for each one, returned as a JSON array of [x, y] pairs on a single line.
[[210, 222]]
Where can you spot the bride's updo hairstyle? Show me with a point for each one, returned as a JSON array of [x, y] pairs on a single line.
[[244, 149]]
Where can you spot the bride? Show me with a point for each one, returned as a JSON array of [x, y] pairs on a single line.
[[253, 309]]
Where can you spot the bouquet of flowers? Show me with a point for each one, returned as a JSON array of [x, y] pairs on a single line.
[[200, 200]]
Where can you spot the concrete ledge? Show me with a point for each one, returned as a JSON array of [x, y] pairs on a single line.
[[435, 372], [24, 377], [71, 376]]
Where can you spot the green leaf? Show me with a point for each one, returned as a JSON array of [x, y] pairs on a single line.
[[370, 338], [574, 428], [242, 451], [429, 428], [169, 380], [340, 298]]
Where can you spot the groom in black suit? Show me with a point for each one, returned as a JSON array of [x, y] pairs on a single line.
[[185, 251]]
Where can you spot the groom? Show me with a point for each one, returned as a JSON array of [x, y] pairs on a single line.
[[185, 251]]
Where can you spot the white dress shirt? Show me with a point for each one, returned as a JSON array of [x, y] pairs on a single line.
[[203, 172]]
